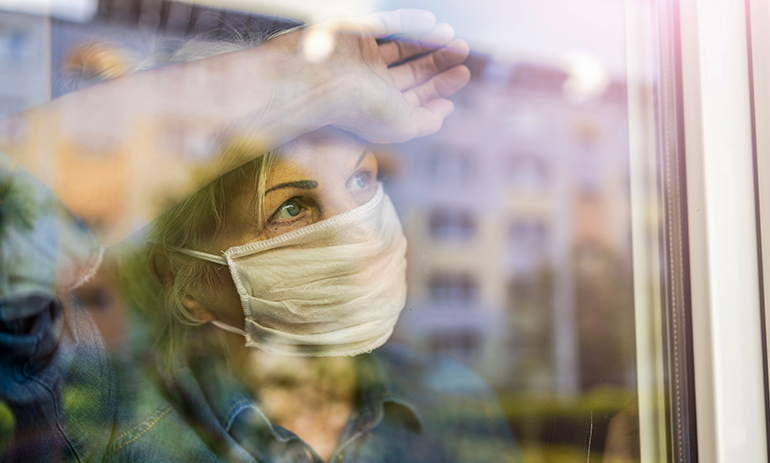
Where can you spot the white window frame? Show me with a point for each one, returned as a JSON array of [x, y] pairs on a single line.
[[724, 270]]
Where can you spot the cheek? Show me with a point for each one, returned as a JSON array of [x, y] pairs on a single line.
[[222, 297], [367, 194], [278, 228]]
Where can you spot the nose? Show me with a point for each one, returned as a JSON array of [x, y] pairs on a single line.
[[335, 201]]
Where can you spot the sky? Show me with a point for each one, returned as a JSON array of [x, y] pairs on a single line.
[[547, 30]]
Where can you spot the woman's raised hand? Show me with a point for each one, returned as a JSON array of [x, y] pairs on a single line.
[[386, 76]]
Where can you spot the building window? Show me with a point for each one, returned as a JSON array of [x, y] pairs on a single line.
[[14, 44], [533, 289], [455, 343], [452, 225], [590, 135], [528, 171], [450, 165], [534, 77], [453, 288], [530, 244]]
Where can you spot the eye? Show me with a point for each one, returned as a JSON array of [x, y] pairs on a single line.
[[359, 181], [287, 210]]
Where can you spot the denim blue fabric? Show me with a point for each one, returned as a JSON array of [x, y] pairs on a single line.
[[410, 408], [72, 401], [44, 248], [55, 375]]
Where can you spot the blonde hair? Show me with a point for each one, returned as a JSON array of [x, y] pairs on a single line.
[[194, 223]]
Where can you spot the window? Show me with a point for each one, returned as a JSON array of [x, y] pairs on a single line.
[[452, 225], [589, 133], [528, 171], [539, 78], [532, 289], [13, 45], [453, 289], [450, 166], [530, 244], [461, 344], [23, 63], [592, 218]]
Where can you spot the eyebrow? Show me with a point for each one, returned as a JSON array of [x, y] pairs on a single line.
[[300, 184], [311, 184]]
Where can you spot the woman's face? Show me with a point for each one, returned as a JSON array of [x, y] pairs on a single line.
[[317, 176]]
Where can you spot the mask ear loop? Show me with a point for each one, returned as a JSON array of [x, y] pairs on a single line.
[[227, 327], [201, 255], [216, 260]]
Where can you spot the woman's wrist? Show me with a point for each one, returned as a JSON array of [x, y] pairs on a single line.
[[299, 96]]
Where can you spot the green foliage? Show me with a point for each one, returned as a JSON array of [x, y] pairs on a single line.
[[7, 424], [605, 317], [553, 429], [599, 401], [18, 209], [557, 453]]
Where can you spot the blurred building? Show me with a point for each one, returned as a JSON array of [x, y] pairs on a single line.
[[24, 63], [501, 208], [46, 57], [521, 195]]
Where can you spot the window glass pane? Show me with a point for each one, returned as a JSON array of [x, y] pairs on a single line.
[[524, 278], [452, 225]]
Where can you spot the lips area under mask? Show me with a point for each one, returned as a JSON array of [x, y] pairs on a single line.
[[333, 288]]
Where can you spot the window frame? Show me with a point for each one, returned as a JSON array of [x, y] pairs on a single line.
[[724, 272]]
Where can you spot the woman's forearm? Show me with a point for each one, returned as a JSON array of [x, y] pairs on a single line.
[[259, 97], [251, 100]]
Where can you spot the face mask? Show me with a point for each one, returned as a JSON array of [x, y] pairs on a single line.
[[332, 288]]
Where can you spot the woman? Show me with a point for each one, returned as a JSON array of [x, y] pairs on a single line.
[[300, 253]]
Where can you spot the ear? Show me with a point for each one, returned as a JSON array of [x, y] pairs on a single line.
[[161, 269], [196, 309]]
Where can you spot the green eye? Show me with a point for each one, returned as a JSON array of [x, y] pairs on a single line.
[[359, 182], [287, 210]]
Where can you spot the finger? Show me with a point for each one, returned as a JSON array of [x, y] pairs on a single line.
[[439, 86], [319, 40], [418, 71], [402, 48]]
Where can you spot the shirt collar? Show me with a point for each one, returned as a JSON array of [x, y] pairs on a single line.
[[204, 381], [382, 383]]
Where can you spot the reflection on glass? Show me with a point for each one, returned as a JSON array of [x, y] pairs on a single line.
[[531, 256]]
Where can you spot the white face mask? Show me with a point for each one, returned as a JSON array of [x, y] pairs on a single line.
[[333, 288]]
